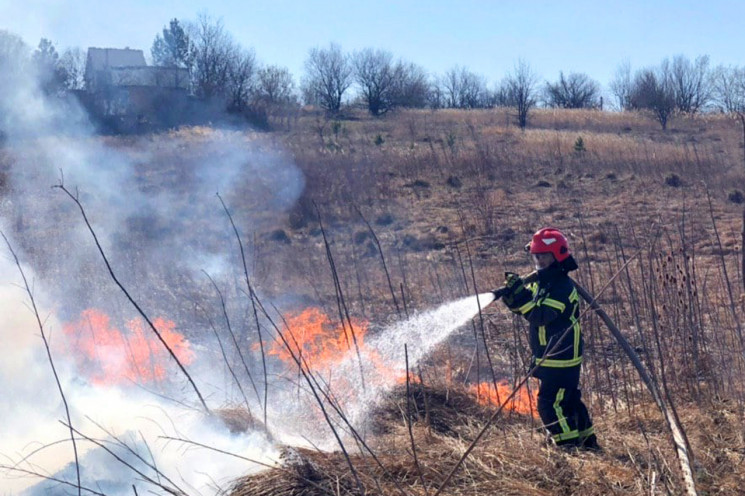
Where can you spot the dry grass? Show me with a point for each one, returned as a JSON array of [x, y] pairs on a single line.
[[446, 176], [451, 192], [451, 177], [513, 458]]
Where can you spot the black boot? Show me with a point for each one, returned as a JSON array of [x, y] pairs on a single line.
[[590, 443]]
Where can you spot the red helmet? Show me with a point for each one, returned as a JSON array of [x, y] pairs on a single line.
[[550, 240]]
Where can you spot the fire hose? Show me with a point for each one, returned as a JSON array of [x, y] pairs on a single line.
[[680, 442]]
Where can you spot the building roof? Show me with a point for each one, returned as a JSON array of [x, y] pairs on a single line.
[[124, 67]]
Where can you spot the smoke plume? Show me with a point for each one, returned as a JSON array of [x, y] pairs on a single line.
[[152, 203]]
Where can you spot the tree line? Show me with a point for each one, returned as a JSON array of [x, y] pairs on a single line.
[[228, 75]]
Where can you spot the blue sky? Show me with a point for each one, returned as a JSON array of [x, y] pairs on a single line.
[[487, 37]]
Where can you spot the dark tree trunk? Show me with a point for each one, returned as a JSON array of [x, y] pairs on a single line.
[[741, 116]]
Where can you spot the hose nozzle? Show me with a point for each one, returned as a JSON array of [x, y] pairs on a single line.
[[499, 292]]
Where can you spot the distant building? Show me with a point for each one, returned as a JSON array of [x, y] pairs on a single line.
[[127, 94]]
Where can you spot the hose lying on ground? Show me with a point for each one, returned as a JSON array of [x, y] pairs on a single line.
[[679, 439]]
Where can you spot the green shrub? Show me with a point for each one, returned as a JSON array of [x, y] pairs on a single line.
[[579, 146], [673, 180]]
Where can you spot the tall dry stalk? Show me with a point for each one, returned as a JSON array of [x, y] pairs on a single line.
[[341, 304], [312, 385], [726, 276], [382, 259], [49, 357], [408, 424], [237, 345], [252, 297]]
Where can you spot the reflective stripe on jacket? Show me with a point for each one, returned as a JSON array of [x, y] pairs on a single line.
[[554, 309]]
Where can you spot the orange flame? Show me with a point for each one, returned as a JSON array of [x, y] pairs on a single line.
[[323, 344], [523, 402], [111, 357], [319, 342]]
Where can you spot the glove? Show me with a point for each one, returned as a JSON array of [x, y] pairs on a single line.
[[517, 295], [513, 282]]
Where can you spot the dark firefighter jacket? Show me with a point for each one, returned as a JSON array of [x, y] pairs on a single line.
[[553, 310]]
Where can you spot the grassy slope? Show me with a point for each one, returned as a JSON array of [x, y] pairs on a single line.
[[448, 190], [442, 178], [439, 187]]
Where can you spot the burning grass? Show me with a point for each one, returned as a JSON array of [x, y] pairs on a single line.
[[108, 356]]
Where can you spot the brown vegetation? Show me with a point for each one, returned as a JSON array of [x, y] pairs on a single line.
[[514, 458], [450, 197], [449, 190]]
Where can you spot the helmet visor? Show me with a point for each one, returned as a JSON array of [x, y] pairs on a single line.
[[542, 260]]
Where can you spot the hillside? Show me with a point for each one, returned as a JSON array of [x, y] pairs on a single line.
[[430, 182], [452, 197], [372, 221]]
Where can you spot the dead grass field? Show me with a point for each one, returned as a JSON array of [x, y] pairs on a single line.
[[452, 197], [449, 192]]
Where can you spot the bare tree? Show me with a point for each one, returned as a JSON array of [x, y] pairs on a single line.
[[500, 97], [473, 91], [728, 88], [241, 84], [73, 64], [691, 83], [275, 86], [374, 73], [521, 88], [436, 98], [653, 90], [621, 85], [450, 84], [573, 91], [728, 91], [411, 86], [328, 75], [214, 51], [464, 89]]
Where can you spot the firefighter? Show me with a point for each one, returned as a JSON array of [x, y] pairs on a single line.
[[551, 306]]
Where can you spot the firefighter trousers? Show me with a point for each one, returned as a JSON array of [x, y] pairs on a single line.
[[561, 409]]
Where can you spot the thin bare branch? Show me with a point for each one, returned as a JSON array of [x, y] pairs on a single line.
[[252, 296], [49, 355], [408, 423], [235, 343], [50, 478]]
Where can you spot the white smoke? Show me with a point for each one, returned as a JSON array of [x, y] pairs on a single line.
[[183, 445], [152, 203], [26, 385]]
